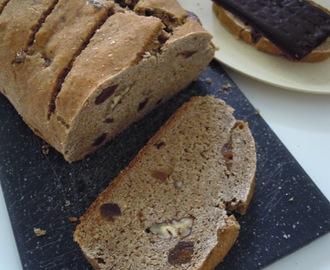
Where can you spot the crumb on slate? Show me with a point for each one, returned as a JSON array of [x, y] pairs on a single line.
[[45, 149], [208, 80], [227, 86], [39, 232], [73, 219]]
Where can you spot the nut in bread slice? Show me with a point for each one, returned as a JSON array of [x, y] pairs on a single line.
[[170, 208]]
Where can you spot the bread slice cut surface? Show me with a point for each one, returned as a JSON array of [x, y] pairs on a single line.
[[169, 209]]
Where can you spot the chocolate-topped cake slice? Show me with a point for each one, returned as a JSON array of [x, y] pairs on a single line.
[[297, 27]]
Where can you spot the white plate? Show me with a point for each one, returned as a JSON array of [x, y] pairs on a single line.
[[311, 78]]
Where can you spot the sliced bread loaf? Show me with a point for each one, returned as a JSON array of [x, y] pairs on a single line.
[[81, 71], [170, 208]]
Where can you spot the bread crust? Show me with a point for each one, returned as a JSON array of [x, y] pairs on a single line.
[[245, 33], [226, 239]]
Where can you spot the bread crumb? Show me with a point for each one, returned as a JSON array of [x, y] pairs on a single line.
[[208, 80], [227, 86], [39, 232], [257, 111], [45, 149], [291, 199], [73, 219]]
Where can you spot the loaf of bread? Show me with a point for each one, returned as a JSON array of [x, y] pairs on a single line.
[[296, 29], [171, 208], [81, 71]]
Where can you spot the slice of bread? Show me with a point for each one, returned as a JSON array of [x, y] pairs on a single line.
[[80, 72], [171, 207], [246, 33]]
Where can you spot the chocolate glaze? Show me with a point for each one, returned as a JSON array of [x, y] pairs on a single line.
[[297, 27]]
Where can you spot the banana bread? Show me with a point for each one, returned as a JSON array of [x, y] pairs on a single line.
[[171, 207], [81, 71]]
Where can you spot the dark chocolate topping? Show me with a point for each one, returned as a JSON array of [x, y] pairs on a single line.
[[297, 27]]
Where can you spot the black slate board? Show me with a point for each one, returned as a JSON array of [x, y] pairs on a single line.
[[43, 191]]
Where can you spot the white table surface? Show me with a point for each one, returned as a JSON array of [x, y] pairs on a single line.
[[301, 121]]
